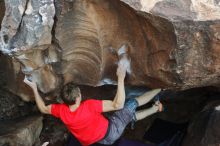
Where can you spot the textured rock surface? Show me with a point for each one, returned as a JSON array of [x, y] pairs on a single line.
[[54, 132], [27, 24], [2, 12], [12, 106], [204, 129], [87, 34], [11, 78], [94, 44], [179, 10], [20, 132], [169, 48]]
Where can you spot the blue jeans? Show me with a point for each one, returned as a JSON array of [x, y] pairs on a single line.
[[119, 120]]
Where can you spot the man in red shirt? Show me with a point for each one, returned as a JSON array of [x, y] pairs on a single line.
[[85, 120]]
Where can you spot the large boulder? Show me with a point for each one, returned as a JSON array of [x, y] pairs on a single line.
[[12, 107], [204, 129], [201, 10], [20, 132], [11, 79], [82, 46]]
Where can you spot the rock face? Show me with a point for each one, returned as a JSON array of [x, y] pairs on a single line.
[[2, 8], [54, 132], [11, 79], [178, 10], [171, 44], [12, 106], [204, 129], [27, 23], [23, 132], [82, 45]]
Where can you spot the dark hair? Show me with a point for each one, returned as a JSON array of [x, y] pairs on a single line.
[[69, 94]]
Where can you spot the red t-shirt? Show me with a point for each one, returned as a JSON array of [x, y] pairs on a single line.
[[86, 123]]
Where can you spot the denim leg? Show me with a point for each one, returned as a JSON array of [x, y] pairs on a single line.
[[119, 120]]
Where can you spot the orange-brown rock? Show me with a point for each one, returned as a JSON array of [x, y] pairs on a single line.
[[91, 33], [87, 35]]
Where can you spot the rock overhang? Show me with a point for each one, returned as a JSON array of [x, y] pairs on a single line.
[[164, 52]]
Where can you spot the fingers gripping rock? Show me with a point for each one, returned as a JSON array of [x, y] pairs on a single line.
[[124, 60], [123, 50]]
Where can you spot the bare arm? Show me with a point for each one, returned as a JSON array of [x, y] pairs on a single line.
[[118, 102], [40, 103], [119, 99]]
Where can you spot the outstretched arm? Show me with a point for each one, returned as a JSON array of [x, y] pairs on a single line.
[[40, 103], [118, 102]]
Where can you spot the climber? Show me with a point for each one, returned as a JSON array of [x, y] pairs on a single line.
[[85, 120]]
